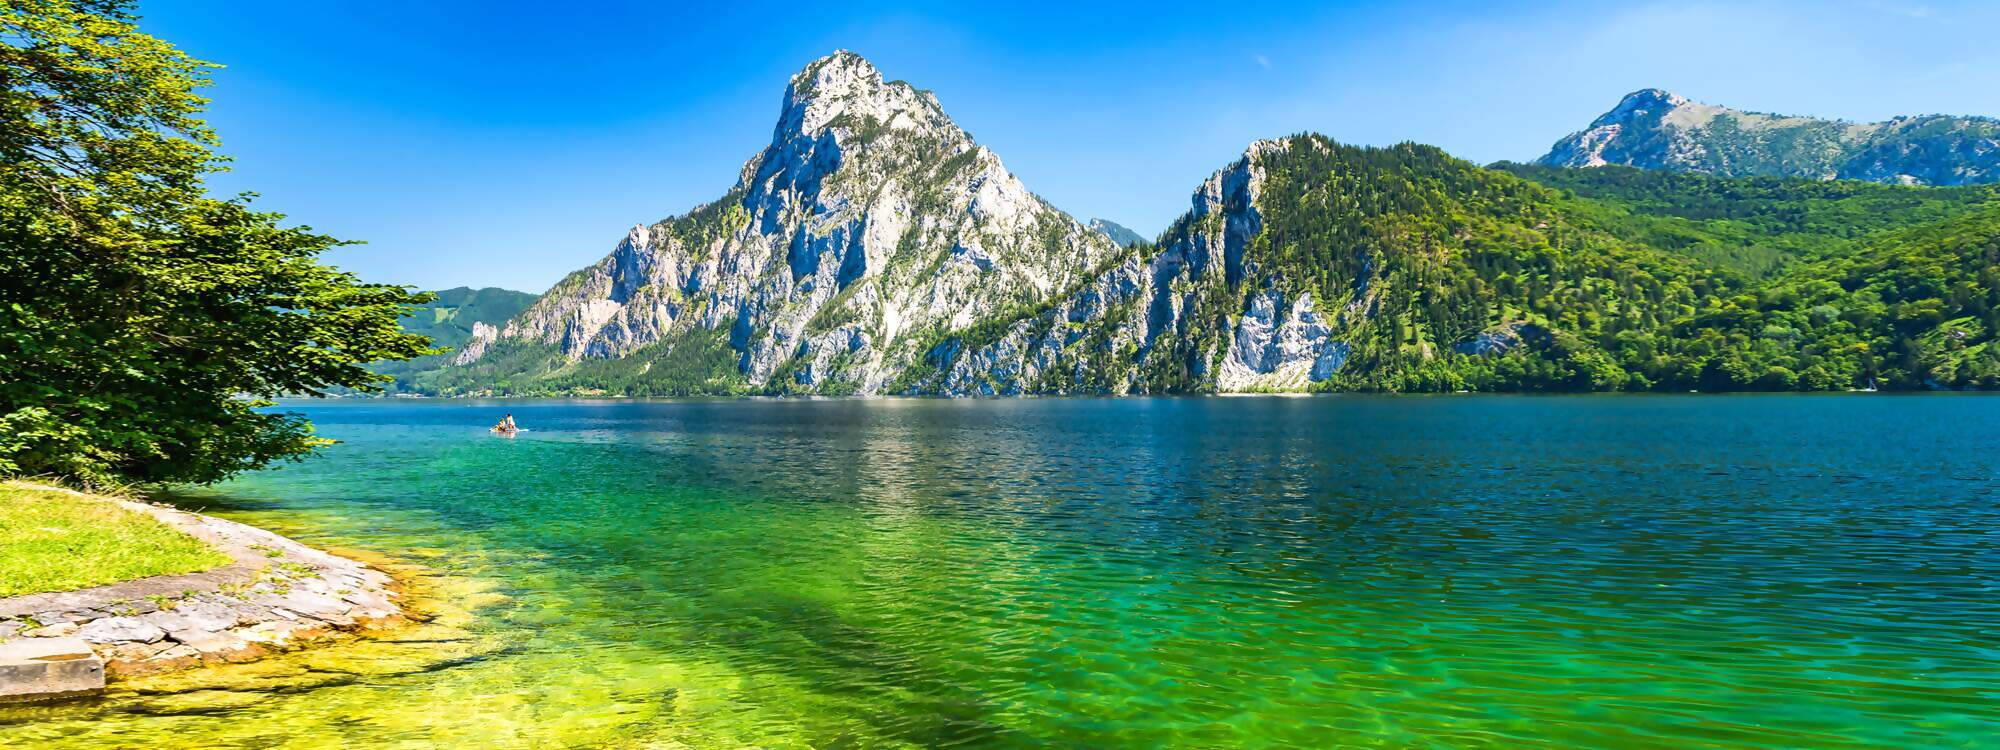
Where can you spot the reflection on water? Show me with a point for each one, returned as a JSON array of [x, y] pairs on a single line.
[[1724, 572]]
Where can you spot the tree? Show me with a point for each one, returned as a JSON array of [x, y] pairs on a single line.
[[144, 326]]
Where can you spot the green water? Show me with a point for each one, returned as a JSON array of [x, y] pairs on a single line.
[[1328, 572]]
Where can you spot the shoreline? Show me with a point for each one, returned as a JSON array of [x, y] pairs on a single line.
[[276, 595]]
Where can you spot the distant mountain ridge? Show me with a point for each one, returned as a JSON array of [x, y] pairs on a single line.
[[449, 320], [1657, 129], [1117, 232]]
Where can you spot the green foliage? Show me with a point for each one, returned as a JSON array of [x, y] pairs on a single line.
[[1918, 308], [1753, 227], [143, 325], [508, 367], [1430, 251], [1880, 285]]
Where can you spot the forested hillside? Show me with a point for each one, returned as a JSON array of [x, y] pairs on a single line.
[[1751, 226], [448, 320], [1642, 280], [1460, 277]]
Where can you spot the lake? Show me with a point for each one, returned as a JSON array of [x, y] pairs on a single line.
[[1448, 571]]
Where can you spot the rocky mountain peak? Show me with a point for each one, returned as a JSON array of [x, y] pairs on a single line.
[[869, 226], [1657, 129], [1639, 104], [841, 74], [845, 89]]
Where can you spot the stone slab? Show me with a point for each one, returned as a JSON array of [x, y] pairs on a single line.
[[48, 668]]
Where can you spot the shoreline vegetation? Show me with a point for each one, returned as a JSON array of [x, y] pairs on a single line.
[[64, 541], [223, 592], [145, 325]]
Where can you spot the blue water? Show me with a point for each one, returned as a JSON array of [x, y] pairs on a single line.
[[1448, 571]]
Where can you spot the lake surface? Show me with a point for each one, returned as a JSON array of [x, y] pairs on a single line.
[[1471, 571]]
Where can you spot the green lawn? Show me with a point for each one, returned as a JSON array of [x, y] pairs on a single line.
[[56, 541]]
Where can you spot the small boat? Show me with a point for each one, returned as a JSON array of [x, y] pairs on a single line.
[[506, 427]]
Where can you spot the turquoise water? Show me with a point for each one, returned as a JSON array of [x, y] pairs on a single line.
[[1745, 571]]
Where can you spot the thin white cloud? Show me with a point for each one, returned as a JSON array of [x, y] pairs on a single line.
[[1262, 61]]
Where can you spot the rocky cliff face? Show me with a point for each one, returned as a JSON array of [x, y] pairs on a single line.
[[869, 224], [874, 248], [1657, 129], [1199, 314]]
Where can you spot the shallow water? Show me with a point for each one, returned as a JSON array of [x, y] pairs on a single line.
[[1778, 571]]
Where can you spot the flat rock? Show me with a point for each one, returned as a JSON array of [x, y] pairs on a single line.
[[209, 642], [46, 668], [119, 629], [45, 649], [59, 630], [194, 615]]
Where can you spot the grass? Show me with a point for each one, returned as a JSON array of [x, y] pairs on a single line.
[[57, 541]]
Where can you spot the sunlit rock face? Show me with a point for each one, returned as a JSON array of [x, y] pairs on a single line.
[[870, 226], [1187, 317], [873, 247]]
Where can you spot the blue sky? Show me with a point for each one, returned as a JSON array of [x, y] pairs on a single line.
[[503, 143]]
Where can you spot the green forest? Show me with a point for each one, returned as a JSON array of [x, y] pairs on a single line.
[[1615, 278]]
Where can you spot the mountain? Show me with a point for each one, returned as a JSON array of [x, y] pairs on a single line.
[[1312, 265], [453, 319], [869, 223], [874, 248], [1657, 129], [1119, 234]]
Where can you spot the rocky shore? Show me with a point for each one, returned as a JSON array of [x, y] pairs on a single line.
[[275, 595]]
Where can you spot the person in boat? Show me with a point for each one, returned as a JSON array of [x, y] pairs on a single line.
[[507, 423]]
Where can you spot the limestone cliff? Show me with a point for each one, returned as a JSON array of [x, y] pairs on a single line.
[[871, 222], [1199, 314]]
